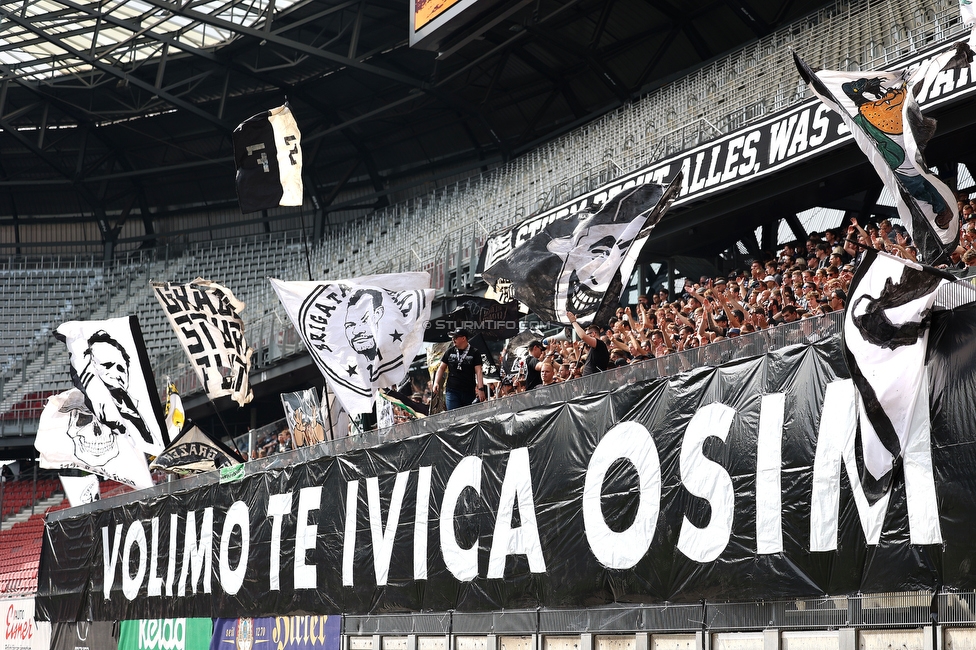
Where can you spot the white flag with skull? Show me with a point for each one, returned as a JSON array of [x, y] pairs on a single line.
[[69, 436]]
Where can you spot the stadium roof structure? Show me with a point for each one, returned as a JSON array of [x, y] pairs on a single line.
[[122, 110]]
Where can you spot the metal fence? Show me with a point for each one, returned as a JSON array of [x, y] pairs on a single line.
[[883, 610]]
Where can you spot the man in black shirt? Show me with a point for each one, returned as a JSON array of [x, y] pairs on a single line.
[[465, 383], [533, 365], [598, 358]]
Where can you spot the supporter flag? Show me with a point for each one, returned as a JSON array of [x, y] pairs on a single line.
[[268, 155], [362, 333], [491, 319], [515, 353], [173, 416], [886, 329], [411, 409], [70, 436], [195, 452], [581, 263], [110, 366], [303, 414], [333, 415], [967, 12], [80, 489], [882, 113], [207, 320]]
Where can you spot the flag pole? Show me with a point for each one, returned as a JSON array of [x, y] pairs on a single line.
[[328, 412], [308, 257]]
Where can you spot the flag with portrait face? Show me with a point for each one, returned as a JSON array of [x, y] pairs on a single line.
[[110, 366], [362, 333], [206, 318], [581, 263], [881, 110]]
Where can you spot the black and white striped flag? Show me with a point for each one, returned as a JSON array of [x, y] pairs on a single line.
[[268, 155], [886, 329]]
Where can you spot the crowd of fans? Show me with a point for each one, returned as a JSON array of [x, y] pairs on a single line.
[[799, 282]]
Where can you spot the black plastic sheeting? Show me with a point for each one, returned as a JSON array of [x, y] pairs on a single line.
[[559, 430]]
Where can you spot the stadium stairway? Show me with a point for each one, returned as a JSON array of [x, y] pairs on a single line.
[[22, 534]]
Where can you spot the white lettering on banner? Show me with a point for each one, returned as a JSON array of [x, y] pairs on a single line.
[[124, 547], [523, 540], [171, 566], [750, 153], [197, 552], [461, 562], [731, 158], [349, 539], [779, 139], [110, 559], [420, 523], [279, 505], [19, 626], [162, 634], [624, 549], [710, 481], [237, 517], [836, 442], [769, 469], [309, 498], [821, 126], [155, 587], [798, 143], [135, 536], [383, 538]]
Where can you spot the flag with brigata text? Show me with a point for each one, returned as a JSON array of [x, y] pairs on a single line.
[[362, 333]]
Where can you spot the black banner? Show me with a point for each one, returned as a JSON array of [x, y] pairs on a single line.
[[732, 482], [781, 140], [495, 321]]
